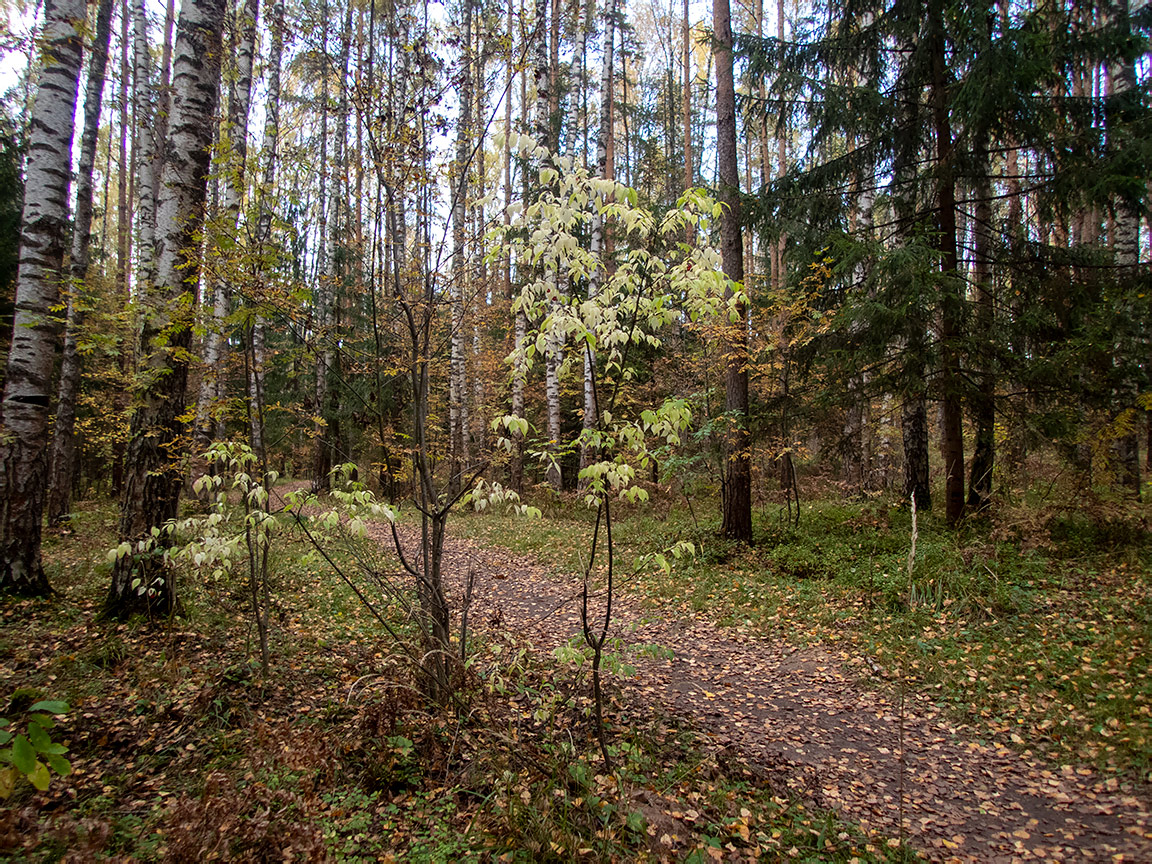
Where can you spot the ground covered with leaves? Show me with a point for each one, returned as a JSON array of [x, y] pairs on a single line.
[[991, 703], [181, 749]]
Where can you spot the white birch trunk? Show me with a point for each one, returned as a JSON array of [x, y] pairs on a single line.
[[322, 461], [64, 438], [153, 475], [458, 396], [146, 151], [32, 354], [552, 346], [588, 454], [479, 293], [233, 146], [264, 220]]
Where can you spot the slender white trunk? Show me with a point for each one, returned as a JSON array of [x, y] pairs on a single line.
[[480, 293], [543, 134], [322, 461], [458, 397], [64, 439], [234, 149], [147, 150], [264, 219]]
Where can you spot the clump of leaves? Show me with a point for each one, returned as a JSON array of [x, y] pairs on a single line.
[[31, 753]]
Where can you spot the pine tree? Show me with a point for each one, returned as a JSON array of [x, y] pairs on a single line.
[[737, 455]]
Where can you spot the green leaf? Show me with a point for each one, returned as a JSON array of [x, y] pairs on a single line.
[[23, 756], [39, 777], [54, 706], [60, 765], [44, 721], [39, 738], [5, 737]]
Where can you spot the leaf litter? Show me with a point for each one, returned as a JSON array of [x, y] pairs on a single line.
[[805, 715]]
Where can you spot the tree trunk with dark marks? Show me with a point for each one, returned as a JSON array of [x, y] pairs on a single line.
[[43, 234], [951, 303], [154, 475], [64, 432]]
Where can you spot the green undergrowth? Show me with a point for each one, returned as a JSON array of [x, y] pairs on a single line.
[[183, 751], [1035, 631]]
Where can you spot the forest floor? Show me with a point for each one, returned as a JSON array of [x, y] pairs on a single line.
[[804, 713], [754, 708]]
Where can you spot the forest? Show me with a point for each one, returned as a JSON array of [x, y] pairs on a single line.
[[575, 430]]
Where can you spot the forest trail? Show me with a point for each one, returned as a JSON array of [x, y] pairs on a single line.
[[802, 715]]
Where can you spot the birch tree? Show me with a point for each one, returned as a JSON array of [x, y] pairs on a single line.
[[234, 153], [64, 437], [264, 224], [43, 234], [141, 580], [591, 413], [457, 384]]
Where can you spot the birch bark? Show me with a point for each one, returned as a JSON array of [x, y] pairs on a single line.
[[44, 225], [64, 432], [458, 395], [154, 477], [264, 219], [234, 150], [588, 454]]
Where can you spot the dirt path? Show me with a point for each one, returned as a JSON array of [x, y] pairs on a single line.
[[802, 712]]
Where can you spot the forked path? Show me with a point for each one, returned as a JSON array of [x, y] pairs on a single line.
[[800, 713]]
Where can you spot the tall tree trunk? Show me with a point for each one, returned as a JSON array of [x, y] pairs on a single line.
[[686, 99], [147, 150], [552, 346], [480, 291], [588, 453], [458, 387], [234, 150], [554, 120], [951, 304], [781, 162], [64, 432], [914, 412], [123, 212], [857, 455], [140, 582], [264, 220], [322, 451], [340, 266], [43, 234], [738, 457], [983, 400], [1125, 242]]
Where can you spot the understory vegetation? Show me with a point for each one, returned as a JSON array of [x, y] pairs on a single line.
[[1031, 630], [182, 751]]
